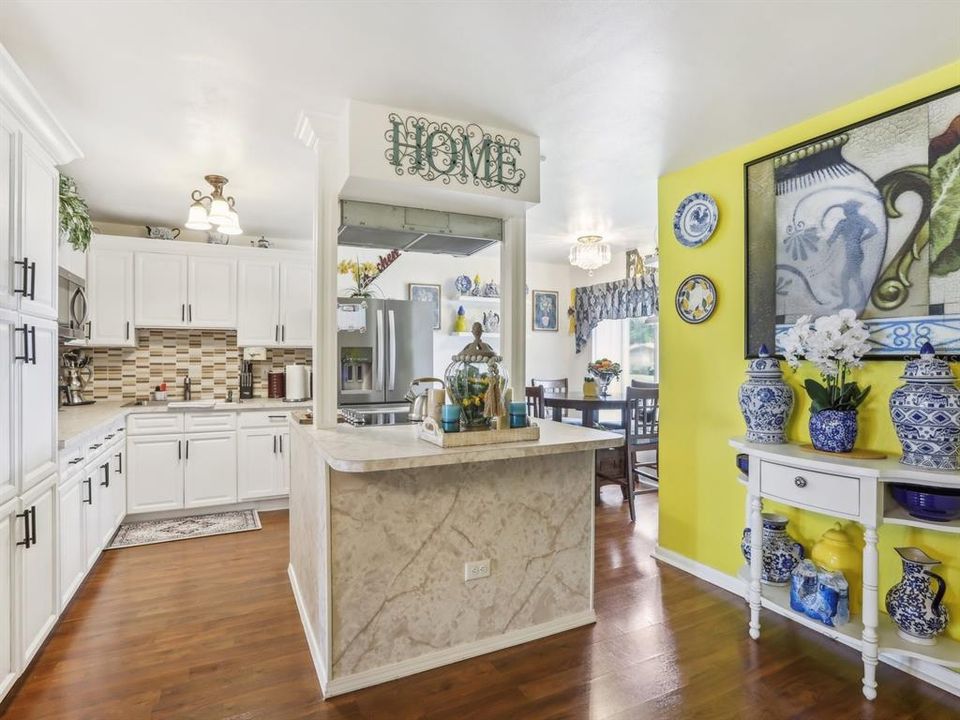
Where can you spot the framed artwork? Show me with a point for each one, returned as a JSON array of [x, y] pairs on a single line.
[[634, 264], [866, 217], [422, 292], [546, 304]]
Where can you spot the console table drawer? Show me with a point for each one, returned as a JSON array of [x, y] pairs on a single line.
[[811, 489]]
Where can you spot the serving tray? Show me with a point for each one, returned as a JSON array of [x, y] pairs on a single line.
[[431, 432]]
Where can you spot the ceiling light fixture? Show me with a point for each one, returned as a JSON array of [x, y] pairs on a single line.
[[589, 253], [213, 209]]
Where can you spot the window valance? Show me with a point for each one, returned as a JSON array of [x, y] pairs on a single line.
[[630, 298]]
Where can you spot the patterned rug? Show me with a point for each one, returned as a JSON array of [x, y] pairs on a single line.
[[149, 532]]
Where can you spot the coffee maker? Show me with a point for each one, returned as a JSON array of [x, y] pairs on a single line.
[[75, 373]]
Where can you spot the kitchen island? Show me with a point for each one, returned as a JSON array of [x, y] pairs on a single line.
[[382, 525]]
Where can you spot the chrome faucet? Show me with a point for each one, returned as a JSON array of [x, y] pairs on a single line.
[[187, 392]]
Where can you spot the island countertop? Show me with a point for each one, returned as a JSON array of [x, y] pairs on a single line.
[[394, 447]]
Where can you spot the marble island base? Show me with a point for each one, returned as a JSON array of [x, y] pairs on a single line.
[[377, 557]]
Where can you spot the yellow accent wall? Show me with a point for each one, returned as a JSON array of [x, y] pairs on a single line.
[[702, 366]]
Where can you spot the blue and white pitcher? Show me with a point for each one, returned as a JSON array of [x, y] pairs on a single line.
[[917, 610]]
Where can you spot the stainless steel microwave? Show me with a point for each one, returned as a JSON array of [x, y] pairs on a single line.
[[72, 307]]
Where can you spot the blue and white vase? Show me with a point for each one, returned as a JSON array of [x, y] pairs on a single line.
[[781, 553], [833, 430], [917, 609], [926, 413], [766, 401]]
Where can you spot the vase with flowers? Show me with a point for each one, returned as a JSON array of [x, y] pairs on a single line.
[[835, 345], [363, 274], [605, 371]]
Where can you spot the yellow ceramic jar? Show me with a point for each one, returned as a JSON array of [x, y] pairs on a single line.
[[836, 551]]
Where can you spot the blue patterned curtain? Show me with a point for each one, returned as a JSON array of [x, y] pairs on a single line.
[[630, 298]]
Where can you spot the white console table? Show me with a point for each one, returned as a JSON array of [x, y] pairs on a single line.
[[850, 490]]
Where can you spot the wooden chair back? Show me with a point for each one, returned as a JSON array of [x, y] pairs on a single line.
[[642, 384], [643, 417], [557, 388], [534, 395]]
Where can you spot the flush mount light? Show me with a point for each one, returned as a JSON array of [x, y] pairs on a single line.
[[213, 209], [589, 253]]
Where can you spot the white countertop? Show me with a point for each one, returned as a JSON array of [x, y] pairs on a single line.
[[393, 447], [75, 422]]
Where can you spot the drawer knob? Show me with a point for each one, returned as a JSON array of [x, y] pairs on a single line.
[[800, 481]]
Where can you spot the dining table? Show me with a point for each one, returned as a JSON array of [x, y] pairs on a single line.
[[589, 406]]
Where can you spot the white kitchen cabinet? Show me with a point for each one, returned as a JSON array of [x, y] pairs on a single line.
[[9, 409], [112, 499], [155, 472], [285, 461], [258, 322], [296, 304], [39, 227], [39, 455], [9, 525], [212, 301], [259, 472], [90, 491], [37, 561], [70, 513], [160, 289], [110, 297], [210, 469], [9, 153]]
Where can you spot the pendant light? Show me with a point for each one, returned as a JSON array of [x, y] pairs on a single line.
[[589, 253], [213, 209]]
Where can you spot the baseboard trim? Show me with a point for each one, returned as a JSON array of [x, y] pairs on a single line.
[[278, 503], [315, 653], [447, 656], [937, 675]]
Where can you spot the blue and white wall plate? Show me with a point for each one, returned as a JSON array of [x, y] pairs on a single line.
[[695, 220], [696, 299], [464, 285]]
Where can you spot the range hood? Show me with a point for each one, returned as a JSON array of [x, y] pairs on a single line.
[[372, 225]]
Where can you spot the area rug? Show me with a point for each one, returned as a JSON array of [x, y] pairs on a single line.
[[149, 532]]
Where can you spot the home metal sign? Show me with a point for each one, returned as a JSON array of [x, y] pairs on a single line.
[[446, 151]]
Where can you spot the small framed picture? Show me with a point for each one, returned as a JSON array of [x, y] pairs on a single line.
[[634, 264], [422, 292], [545, 310]]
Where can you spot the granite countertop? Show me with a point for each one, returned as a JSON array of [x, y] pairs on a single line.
[[395, 447], [75, 422]]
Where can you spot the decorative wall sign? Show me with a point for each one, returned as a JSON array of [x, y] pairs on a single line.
[[546, 305], [444, 151], [422, 292], [695, 219], [868, 218], [696, 299]]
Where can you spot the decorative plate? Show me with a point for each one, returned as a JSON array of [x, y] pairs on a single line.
[[695, 220], [464, 284], [696, 299]]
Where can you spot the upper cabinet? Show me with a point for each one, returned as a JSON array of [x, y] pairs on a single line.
[[296, 304], [110, 297], [276, 303], [39, 228], [160, 290], [212, 292]]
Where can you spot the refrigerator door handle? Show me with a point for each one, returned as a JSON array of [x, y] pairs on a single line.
[[392, 326], [381, 370]]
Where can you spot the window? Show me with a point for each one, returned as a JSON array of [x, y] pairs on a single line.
[[634, 344]]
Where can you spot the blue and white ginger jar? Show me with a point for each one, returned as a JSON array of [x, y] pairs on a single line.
[[781, 553], [912, 604], [926, 413], [766, 401]]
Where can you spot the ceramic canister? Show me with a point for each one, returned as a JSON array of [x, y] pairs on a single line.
[[926, 413], [765, 400], [835, 551], [781, 553]]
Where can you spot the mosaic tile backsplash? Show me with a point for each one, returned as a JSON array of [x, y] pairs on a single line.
[[211, 357]]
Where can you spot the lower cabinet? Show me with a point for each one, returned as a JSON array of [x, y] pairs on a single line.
[[285, 461], [155, 478], [35, 533], [111, 492], [73, 556], [9, 527], [260, 472], [90, 499], [210, 469]]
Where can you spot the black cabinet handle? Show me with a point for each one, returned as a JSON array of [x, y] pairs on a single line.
[[179, 452], [127, 335], [190, 312], [106, 474], [119, 457], [276, 333], [183, 312], [26, 542], [33, 345], [33, 514], [187, 454], [25, 329], [281, 444], [89, 483], [283, 333], [95, 446], [89, 329], [276, 417], [75, 461], [274, 444], [33, 281], [24, 277], [109, 437]]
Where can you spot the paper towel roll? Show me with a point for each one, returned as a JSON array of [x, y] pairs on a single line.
[[298, 388]]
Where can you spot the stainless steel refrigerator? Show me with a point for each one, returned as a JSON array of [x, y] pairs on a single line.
[[382, 345]]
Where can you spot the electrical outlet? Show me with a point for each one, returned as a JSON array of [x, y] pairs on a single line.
[[476, 570]]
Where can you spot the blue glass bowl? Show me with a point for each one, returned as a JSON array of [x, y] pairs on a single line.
[[928, 503]]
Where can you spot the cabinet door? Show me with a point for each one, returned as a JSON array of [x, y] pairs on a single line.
[[118, 484], [258, 467], [39, 228], [284, 445], [38, 402], [70, 510], [210, 469], [91, 499], [10, 276], [110, 298], [213, 293], [154, 473], [11, 343], [258, 298], [160, 290], [296, 304], [10, 526], [107, 494], [39, 603]]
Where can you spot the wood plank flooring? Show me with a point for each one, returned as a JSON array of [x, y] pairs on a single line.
[[207, 629]]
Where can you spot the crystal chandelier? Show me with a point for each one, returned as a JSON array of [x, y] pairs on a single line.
[[589, 253], [214, 209]]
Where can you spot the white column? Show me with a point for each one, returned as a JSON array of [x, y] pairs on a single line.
[[871, 601], [513, 320], [325, 223]]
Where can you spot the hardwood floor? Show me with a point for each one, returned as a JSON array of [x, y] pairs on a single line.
[[207, 629]]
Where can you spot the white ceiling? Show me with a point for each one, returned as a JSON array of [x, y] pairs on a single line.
[[159, 93]]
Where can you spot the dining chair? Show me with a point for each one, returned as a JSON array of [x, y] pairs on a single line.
[[558, 387], [642, 384], [643, 436], [534, 396]]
